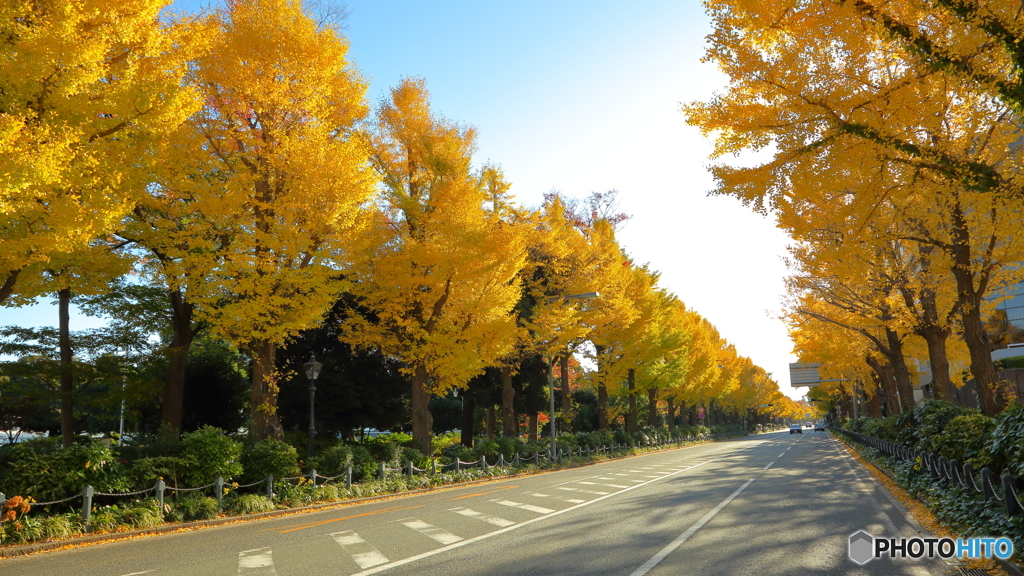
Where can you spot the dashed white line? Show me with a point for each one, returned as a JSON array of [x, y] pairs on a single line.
[[256, 562], [598, 492], [769, 465], [500, 531], [485, 517], [433, 532], [363, 553], [530, 507]]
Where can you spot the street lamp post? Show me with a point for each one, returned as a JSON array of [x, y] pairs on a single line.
[[551, 367], [312, 371]]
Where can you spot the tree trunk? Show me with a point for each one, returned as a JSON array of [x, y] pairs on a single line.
[[563, 365], [602, 392], [691, 416], [900, 371], [652, 406], [632, 417], [177, 359], [875, 405], [887, 383], [490, 423], [468, 421], [509, 419], [935, 337], [7, 288], [422, 421], [670, 412], [970, 298], [67, 401], [531, 426], [263, 396]]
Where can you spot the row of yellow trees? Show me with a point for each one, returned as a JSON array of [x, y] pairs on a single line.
[[233, 157], [893, 131]]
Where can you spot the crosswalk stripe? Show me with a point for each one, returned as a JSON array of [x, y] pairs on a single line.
[[573, 500], [432, 532], [485, 517], [362, 552], [602, 484], [530, 507], [257, 562], [582, 490]]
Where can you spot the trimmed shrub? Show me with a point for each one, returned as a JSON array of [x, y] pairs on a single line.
[[269, 456], [364, 465], [44, 471], [1006, 443], [417, 458], [964, 438], [334, 460], [209, 454], [441, 442], [931, 418]]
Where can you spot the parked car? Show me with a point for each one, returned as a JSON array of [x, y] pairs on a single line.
[[796, 429]]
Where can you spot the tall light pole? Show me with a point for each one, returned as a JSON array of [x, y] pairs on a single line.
[[551, 367], [312, 371]]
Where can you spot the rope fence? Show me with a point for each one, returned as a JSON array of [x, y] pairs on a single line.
[[159, 489]]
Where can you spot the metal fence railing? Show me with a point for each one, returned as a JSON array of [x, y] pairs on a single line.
[[950, 471]]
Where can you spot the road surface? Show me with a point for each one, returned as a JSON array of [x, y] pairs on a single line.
[[772, 504]]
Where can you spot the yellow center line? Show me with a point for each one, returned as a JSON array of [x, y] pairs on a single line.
[[315, 524], [388, 509], [483, 493]]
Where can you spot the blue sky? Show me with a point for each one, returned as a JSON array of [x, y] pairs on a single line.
[[579, 97]]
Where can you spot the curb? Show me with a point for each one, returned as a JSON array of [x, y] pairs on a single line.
[[88, 539]]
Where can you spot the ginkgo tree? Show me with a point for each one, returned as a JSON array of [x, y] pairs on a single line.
[[88, 86], [440, 277], [263, 192]]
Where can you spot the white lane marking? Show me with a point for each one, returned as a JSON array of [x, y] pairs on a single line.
[[573, 500], [646, 567], [603, 484], [475, 539], [137, 573], [433, 532], [485, 517], [582, 490], [530, 507], [362, 552], [259, 561], [646, 476], [781, 454], [769, 465]]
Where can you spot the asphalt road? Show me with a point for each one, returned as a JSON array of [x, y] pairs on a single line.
[[760, 505]]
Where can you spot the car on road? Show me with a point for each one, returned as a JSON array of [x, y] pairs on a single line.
[[796, 429], [819, 427]]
